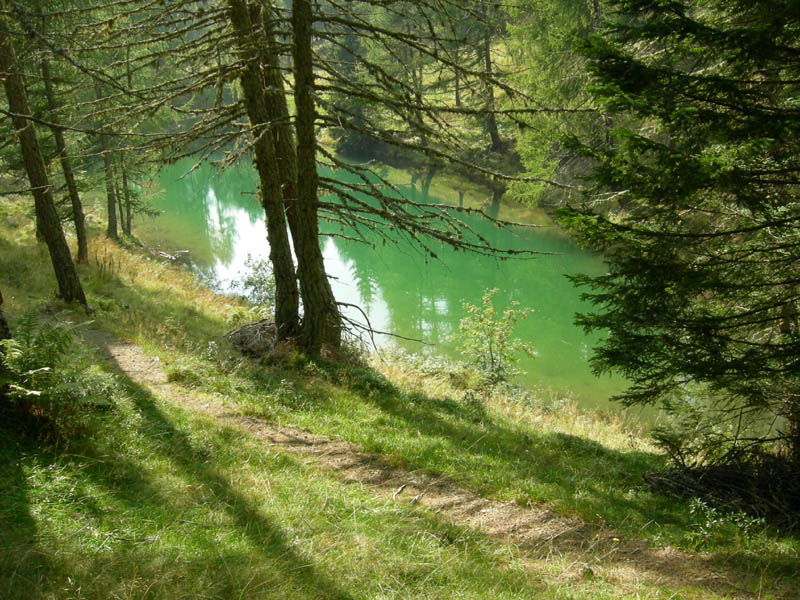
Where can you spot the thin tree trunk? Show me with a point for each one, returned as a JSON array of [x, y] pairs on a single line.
[[127, 227], [433, 168], [287, 299], [497, 193], [792, 415], [457, 89], [78, 217], [491, 117], [322, 322], [5, 333], [5, 330], [111, 200], [48, 221], [112, 231], [120, 208], [126, 194]]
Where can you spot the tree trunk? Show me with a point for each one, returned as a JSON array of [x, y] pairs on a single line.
[[120, 207], [5, 333], [5, 330], [497, 193], [283, 135], [126, 194], [48, 221], [433, 168], [491, 117], [793, 433], [322, 322], [111, 230], [286, 295], [78, 217], [457, 83]]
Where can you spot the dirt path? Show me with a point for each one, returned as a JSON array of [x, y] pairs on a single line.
[[543, 538]]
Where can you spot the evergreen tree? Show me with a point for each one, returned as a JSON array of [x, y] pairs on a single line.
[[287, 299], [48, 222], [700, 300]]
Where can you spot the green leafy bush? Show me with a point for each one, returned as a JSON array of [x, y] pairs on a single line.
[[486, 338], [41, 382], [257, 283]]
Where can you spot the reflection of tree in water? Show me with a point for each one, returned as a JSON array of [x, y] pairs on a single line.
[[423, 295], [202, 207]]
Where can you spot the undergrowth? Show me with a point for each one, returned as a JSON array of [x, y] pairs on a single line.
[[153, 500], [47, 384]]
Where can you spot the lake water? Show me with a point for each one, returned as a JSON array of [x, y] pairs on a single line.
[[218, 219]]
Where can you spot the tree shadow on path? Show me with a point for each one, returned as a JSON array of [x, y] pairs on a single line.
[[116, 491]]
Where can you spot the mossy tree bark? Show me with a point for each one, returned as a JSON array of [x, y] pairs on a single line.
[[48, 221], [488, 19], [275, 102], [127, 227], [491, 116], [287, 320], [5, 333], [322, 324]]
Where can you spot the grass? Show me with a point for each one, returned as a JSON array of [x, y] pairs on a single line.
[[157, 501]]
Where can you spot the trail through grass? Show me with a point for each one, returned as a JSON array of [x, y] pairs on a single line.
[[213, 476]]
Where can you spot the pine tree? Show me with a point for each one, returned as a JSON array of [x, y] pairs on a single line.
[[48, 222], [700, 300]]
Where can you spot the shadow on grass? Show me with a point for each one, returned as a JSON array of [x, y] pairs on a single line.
[[604, 485], [23, 567], [520, 457], [127, 533], [175, 445]]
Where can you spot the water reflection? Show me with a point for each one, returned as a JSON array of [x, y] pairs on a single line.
[[219, 220]]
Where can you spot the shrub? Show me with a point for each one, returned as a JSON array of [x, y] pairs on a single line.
[[486, 339], [257, 283], [39, 383]]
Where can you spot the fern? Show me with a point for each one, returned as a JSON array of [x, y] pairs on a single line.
[[36, 379]]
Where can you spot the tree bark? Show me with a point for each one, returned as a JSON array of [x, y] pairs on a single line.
[[792, 416], [126, 195], [111, 199], [283, 135], [120, 208], [433, 168], [457, 92], [5, 333], [491, 117], [48, 221], [78, 217], [287, 319], [322, 322], [5, 330]]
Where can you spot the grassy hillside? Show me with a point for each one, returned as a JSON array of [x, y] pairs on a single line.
[[197, 473]]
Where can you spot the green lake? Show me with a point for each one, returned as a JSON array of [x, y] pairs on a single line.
[[217, 218]]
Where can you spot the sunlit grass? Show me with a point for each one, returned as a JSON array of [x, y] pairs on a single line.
[[159, 502]]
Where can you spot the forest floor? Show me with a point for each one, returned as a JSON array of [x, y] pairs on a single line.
[[585, 551], [205, 474]]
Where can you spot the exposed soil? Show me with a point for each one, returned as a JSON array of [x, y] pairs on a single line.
[[565, 548]]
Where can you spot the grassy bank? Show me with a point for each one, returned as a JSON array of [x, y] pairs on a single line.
[[160, 496]]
